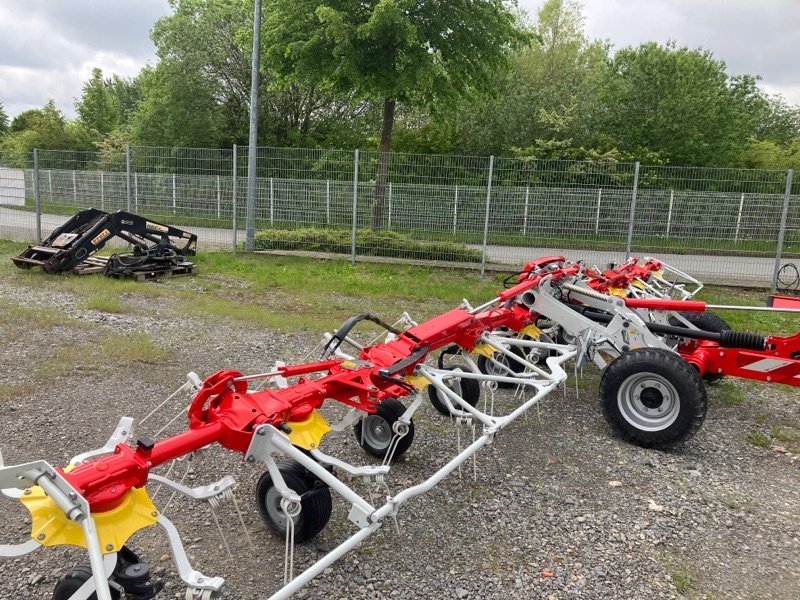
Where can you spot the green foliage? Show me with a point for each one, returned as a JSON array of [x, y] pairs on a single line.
[[369, 242], [678, 102], [759, 439], [780, 122], [45, 128], [3, 121], [413, 52], [769, 154], [543, 103], [98, 109]]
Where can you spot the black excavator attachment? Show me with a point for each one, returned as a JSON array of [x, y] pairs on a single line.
[[157, 248]]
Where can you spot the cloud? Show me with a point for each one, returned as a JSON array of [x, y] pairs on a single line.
[[50, 50]]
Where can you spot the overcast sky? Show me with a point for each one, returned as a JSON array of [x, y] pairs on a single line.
[[49, 47]]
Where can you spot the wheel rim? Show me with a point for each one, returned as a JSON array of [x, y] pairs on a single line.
[[273, 505], [377, 432], [497, 370], [648, 401]]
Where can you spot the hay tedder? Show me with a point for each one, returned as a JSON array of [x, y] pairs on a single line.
[[635, 320]]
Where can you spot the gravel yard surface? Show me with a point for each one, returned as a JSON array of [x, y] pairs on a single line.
[[560, 508]]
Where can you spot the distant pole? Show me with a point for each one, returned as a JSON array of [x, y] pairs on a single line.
[[739, 218], [669, 210], [597, 213], [632, 217], [486, 219], [250, 233], [328, 202], [233, 196], [779, 251], [455, 212], [355, 209], [37, 195], [128, 176]]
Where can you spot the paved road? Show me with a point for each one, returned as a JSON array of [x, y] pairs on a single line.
[[734, 270]]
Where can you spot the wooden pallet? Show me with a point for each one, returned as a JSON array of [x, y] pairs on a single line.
[[189, 269], [97, 264], [93, 264]]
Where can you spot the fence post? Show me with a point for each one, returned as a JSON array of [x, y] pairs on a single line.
[[486, 220], [219, 197], [355, 208], [597, 213], [128, 175], [669, 211], [786, 196], [271, 202], [632, 217], [389, 225], [328, 201], [174, 193], [739, 218], [37, 194], [102, 191], [74, 189], [136, 190], [233, 198], [50, 184], [455, 212], [525, 211]]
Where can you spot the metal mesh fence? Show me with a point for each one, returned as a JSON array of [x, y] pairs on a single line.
[[722, 225]]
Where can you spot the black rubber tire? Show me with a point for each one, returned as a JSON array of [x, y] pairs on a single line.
[[469, 389], [315, 500], [641, 384], [488, 367], [72, 580], [707, 321], [379, 433], [562, 337]]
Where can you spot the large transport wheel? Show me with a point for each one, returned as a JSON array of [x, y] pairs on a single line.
[[707, 321], [315, 501], [375, 432], [468, 389], [653, 398]]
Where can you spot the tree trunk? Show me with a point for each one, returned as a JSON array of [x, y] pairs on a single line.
[[382, 174]]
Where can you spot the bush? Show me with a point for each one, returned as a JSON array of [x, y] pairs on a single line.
[[369, 242]]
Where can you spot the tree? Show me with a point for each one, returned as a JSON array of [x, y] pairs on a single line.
[[98, 109], [47, 129], [389, 51], [203, 79], [779, 122], [678, 102], [557, 73]]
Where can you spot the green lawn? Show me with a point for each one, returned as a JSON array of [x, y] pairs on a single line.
[[297, 293]]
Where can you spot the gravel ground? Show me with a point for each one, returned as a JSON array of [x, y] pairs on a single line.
[[559, 509]]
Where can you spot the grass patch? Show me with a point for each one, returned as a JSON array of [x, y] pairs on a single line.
[[759, 439], [772, 323], [259, 316], [13, 315], [786, 435], [682, 578], [137, 348], [15, 391], [730, 394], [100, 355], [369, 242], [104, 304]]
